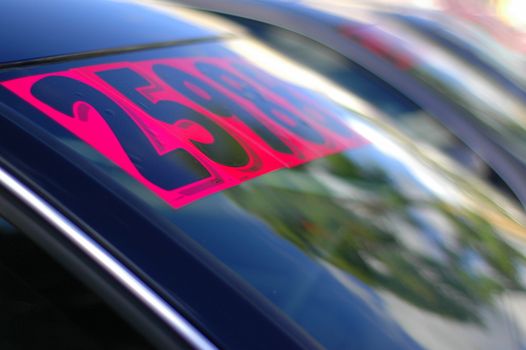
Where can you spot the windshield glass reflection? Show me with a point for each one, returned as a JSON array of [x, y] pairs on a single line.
[[367, 221]]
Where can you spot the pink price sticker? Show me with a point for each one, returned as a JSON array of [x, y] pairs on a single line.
[[189, 127]]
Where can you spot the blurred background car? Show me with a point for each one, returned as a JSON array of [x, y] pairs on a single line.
[[216, 194], [467, 42], [435, 93]]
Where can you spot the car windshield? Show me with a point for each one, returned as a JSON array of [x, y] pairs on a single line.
[[335, 226]]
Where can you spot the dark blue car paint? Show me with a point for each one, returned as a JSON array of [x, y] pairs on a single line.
[[33, 29], [224, 267]]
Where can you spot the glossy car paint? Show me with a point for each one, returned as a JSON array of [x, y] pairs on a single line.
[[36, 30], [375, 246]]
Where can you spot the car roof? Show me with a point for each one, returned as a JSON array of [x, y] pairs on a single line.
[[42, 29]]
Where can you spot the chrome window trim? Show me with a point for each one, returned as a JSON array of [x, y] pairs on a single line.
[[109, 263]]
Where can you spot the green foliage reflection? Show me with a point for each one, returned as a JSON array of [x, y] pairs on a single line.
[[437, 256]]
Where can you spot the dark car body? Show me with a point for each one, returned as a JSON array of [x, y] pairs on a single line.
[[386, 57], [218, 195]]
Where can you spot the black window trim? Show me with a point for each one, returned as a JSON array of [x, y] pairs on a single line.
[[164, 326]]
